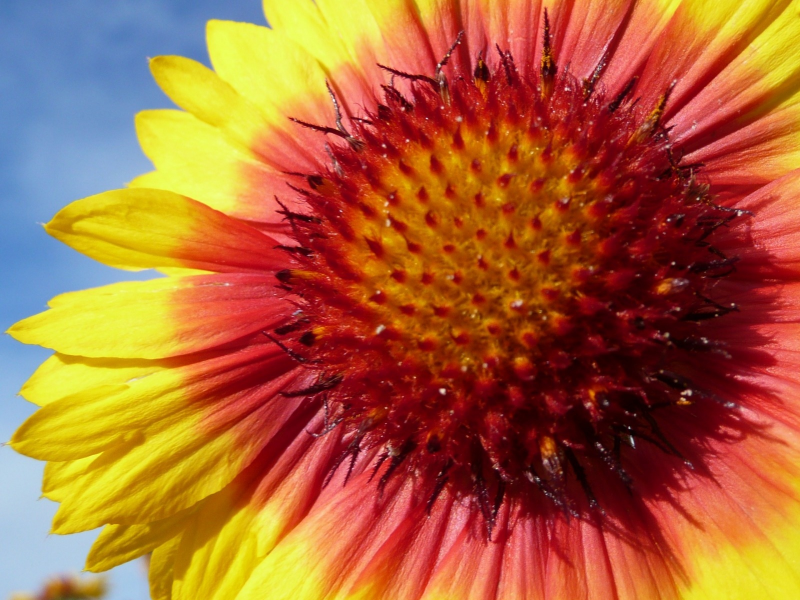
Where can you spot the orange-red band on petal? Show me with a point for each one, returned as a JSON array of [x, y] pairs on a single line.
[[142, 228]]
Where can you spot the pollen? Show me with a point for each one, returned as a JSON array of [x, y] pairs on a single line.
[[505, 265]]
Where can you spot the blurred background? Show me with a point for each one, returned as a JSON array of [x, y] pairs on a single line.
[[72, 75]]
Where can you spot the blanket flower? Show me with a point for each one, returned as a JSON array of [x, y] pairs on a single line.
[[462, 299]]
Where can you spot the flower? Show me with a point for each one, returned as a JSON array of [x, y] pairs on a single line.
[[68, 588], [489, 299]]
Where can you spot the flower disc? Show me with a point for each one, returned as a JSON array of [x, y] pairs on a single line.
[[502, 276]]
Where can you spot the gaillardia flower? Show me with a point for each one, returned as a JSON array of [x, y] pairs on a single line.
[[67, 587], [486, 299]]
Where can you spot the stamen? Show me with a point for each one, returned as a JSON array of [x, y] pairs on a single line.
[[291, 216], [340, 130], [291, 327], [409, 76], [548, 67], [355, 144], [289, 351], [444, 90], [481, 72], [442, 63], [441, 480], [327, 424], [322, 385], [653, 121], [617, 102], [580, 475], [394, 94], [589, 84], [397, 459], [508, 64]]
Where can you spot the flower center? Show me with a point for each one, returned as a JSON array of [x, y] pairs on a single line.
[[501, 278]]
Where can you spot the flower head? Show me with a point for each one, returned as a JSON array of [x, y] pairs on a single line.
[[68, 588], [463, 300]]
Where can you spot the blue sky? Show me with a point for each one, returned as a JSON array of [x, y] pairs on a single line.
[[73, 74]]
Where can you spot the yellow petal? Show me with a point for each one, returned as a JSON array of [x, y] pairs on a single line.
[[45, 436], [291, 572], [91, 420], [195, 160], [140, 228], [259, 128], [349, 62], [752, 559], [118, 544], [269, 69], [755, 154], [762, 78], [149, 480], [395, 24], [94, 419], [700, 40], [59, 476], [182, 442], [162, 563], [62, 375], [219, 550], [302, 22], [197, 89], [157, 318], [323, 556], [235, 529]]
